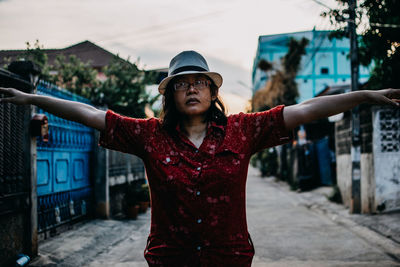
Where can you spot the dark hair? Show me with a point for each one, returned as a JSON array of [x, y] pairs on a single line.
[[170, 116]]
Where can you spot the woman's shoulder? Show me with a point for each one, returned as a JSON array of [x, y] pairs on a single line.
[[237, 117], [270, 112], [115, 115], [114, 118]]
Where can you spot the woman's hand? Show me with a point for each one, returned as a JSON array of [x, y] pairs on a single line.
[[14, 96], [384, 97]]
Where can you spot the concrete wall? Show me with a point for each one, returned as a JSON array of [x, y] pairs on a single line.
[[343, 158], [386, 148], [367, 183], [380, 154], [12, 232], [367, 180], [113, 171], [343, 170], [123, 169], [101, 181]]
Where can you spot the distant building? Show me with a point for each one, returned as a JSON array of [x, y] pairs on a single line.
[[325, 63], [161, 74], [86, 51]]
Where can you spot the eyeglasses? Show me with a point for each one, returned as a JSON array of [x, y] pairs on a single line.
[[198, 85]]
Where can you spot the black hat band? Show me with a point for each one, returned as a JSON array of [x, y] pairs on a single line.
[[188, 68]]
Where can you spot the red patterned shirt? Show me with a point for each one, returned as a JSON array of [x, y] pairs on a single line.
[[198, 215]]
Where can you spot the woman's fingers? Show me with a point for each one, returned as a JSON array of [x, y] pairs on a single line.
[[13, 96], [392, 97], [6, 92], [6, 100], [393, 93], [384, 97], [385, 100], [3, 90], [12, 100], [394, 102]]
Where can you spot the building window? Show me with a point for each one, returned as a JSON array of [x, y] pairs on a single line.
[[324, 71], [305, 80], [343, 79]]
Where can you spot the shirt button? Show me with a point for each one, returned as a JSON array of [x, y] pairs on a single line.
[[199, 221], [198, 248], [198, 193], [197, 151], [198, 168]]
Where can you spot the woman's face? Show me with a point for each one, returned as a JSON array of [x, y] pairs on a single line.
[[192, 94]]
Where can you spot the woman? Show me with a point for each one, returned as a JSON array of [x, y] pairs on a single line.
[[197, 158]]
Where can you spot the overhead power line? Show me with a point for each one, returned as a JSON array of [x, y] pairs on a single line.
[[322, 4], [157, 28]]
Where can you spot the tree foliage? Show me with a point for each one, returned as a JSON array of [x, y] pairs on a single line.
[[281, 88], [76, 76], [123, 90], [379, 25], [35, 54]]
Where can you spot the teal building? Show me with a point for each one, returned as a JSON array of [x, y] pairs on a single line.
[[325, 63]]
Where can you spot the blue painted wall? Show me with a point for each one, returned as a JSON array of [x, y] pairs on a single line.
[[63, 162], [64, 186], [326, 61]]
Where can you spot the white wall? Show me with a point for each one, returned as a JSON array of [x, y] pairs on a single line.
[[386, 135], [343, 171], [367, 183]]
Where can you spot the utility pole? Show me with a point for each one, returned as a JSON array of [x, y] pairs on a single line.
[[355, 205]]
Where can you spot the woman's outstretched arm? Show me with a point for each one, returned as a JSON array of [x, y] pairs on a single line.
[[324, 106], [69, 110]]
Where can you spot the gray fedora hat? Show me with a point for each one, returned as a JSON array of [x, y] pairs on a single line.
[[188, 62]]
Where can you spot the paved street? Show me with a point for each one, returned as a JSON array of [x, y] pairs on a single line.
[[291, 229], [288, 229]]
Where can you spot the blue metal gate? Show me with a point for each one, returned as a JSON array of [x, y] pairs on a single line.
[[63, 167]]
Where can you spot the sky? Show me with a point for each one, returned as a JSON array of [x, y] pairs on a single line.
[[151, 32]]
